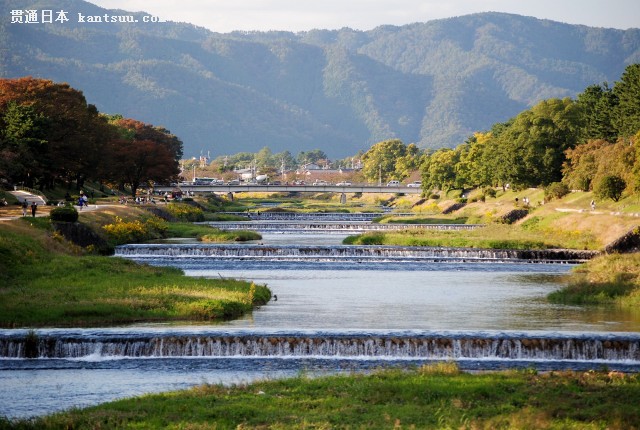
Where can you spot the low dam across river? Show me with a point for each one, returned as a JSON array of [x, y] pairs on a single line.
[[397, 345], [371, 253]]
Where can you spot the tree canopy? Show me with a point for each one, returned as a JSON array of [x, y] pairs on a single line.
[[50, 135]]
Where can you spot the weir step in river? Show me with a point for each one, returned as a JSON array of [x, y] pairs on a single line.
[[355, 253], [314, 216], [332, 226], [455, 346]]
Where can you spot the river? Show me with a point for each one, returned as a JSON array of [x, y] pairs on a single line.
[[337, 309]]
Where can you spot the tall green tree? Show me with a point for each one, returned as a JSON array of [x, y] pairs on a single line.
[[532, 148], [379, 162], [439, 171], [597, 104], [22, 144], [313, 156], [627, 112]]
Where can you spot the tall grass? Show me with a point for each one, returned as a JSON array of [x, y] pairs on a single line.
[[609, 279], [48, 282], [493, 237], [432, 398]]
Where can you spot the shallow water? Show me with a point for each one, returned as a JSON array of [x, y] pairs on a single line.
[[341, 296]]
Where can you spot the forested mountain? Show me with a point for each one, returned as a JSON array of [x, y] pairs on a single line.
[[431, 83]]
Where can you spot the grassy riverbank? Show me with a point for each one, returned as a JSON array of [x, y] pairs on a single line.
[[492, 236], [432, 397], [47, 281], [610, 279]]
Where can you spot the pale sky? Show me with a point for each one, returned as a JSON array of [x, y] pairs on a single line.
[[300, 15]]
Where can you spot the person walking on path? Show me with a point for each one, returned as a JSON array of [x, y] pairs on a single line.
[[34, 207], [25, 205]]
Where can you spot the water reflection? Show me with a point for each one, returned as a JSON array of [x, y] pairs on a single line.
[[429, 300]]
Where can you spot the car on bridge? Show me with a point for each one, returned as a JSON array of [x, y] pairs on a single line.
[[393, 184], [344, 184], [415, 184], [320, 182]]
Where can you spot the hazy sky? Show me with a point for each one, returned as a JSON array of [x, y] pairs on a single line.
[[296, 15]]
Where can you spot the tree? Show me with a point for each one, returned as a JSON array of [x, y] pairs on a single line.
[[597, 104], [72, 132], [22, 144], [313, 156], [408, 163], [532, 148], [611, 187], [379, 162], [440, 170], [627, 112], [148, 154], [581, 164], [265, 159]]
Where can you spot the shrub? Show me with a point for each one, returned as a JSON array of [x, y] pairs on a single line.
[[611, 187], [489, 192], [185, 212], [122, 231], [555, 190], [434, 196], [64, 214]]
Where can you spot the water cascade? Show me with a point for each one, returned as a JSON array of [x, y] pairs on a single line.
[[332, 226], [401, 345], [313, 216], [349, 253]]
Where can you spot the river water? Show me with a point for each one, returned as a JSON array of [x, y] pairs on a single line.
[[332, 314]]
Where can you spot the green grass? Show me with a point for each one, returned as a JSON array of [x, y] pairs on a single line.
[[207, 233], [230, 236], [49, 282], [606, 280], [493, 237], [432, 397]]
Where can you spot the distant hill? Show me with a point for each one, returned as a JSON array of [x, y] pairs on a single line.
[[430, 83]]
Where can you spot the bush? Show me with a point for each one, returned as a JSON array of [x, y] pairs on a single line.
[[434, 196], [489, 192], [122, 231], [611, 187], [64, 214], [555, 190], [185, 212]]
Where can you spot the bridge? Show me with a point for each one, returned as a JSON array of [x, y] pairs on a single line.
[[256, 188]]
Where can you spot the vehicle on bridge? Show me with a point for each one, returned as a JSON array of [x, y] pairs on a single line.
[[393, 184], [344, 184], [415, 184]]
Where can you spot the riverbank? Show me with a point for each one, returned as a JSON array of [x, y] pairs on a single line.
[[606, 280], [568, 222], [435, 396], [50, 282]]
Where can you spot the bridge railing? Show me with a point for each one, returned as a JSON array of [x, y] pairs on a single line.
[[31, 191]]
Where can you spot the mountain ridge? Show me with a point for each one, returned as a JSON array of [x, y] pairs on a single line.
[[432, 83]]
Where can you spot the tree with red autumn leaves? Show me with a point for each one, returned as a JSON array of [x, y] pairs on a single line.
[[50, 135], [143, 153]]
